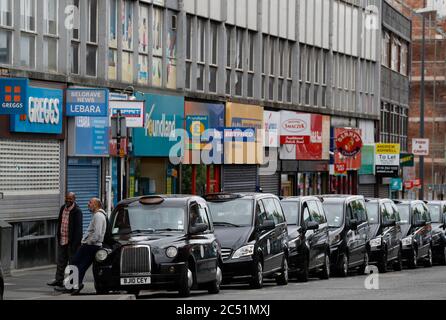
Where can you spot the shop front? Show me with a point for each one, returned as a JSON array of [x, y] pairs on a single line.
[[151, 169], [304, 153], [243, 147], [201, 166], [367, 180], [32, 171], [269, 172]]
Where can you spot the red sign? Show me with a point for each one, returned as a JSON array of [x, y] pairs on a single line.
[[349, 142], [408, 185], [340, 168], [353, 162], [416, 183], [114, 148]]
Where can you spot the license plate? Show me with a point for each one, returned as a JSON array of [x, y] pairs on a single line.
[[135, 281]]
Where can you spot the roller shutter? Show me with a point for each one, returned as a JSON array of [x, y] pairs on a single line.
[[270, 183], [239, 178], [367, 190]]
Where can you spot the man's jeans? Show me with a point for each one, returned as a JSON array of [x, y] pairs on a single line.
[[84, 259], [64, 257]]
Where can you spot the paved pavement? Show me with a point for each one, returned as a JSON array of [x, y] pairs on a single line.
[[420, 284]]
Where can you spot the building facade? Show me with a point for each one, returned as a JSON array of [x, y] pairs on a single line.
[[319, 57]]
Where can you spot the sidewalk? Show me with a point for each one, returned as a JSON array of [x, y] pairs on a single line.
[[31, 285]]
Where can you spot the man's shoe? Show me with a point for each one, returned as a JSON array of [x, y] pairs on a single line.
[[55, 283], [62, 289], [76, 292]]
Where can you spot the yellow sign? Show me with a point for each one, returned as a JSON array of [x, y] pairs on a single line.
[[388, 148]]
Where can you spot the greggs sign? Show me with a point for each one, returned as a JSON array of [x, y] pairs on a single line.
[[349, 143], [13, 96]]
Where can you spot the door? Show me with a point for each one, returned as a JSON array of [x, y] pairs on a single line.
[[84, 180], [274, 239], [393, 241], [264, 237], [427, 230], [352, 235], [363, 228], [323, 240], [317, 248], [309, 234]]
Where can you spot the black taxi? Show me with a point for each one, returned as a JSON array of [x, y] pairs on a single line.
[[162, 242], [252, 230]]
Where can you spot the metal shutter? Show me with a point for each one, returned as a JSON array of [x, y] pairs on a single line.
[[270, 183], [84, 181], [367, 190], [383, 191], [29, 167], [239, 178]]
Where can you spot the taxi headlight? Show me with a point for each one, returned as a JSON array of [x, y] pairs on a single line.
[[244, 252], [375, 242], [101, 255], [171, 252], [407, 241]]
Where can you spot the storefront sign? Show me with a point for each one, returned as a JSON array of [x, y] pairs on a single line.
[[13, 95], [304, 136], [408, 185], [163, 114], [407, 160], [387, 159], [396, 184], [348, 142], [133, 111], [272, 122], [420, 147], [87, 102], [244, 117], [367, 159], [44, 112], [91, 136]]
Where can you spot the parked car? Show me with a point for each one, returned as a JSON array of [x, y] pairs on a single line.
[[2, 284], [416, 232], [349, 233], [438, 217], [385, 234], [164, 242], [308, 237], [253, 234]]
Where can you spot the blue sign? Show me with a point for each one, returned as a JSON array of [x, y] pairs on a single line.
[[163, 115], [396, 184], [13, 95], [237, 134], [92, 136], [87, 102], [44, 112]]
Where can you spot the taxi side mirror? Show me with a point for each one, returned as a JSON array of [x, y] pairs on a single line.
[[198, 228]]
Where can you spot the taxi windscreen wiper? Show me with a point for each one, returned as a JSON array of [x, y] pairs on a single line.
[[228, 224]]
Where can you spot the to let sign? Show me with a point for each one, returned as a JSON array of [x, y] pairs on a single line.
[[420, 147]]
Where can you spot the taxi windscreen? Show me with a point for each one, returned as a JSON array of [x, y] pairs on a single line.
[[235, 212], [149, 218]]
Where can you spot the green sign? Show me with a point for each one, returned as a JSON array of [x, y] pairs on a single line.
[[396, 184], [407, 160], [367, 159]]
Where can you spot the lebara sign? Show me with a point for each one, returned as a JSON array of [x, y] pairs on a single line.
[[44, 112], [13, 96], [87, 102]]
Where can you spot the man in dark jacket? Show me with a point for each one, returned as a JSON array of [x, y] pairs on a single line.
[[69, 236]]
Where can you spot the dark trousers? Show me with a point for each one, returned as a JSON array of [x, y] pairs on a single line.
[[84, 259], [64, 256]]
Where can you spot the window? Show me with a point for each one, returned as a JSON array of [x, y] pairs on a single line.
[[28, 15], [272, 211], [261, 212], [395, 59], [6, 13], [188, 37], [157, 32], [228, 81], [385, 54], [113, 27], [200, 77], [214, 43], [27, 50], [91, 60], [322, 217], [112, 64], [228, 46], [213, 80], [240, 43], [50, 54], [143, 69], [75, 34], [75, 58], [279, 211], [5, 46], [306, 215], [171, 74], [201, 31], [314, 212], [239, 84], [92, 21], [50, 16], [143, 29], [404, 57]]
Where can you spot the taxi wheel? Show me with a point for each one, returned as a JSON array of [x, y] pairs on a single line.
[[325, 274], [282, 279], [413, 260], [398, 265], [186, 284], [362, 269], [257, 277], [428, 262], [214, 286], [343, 266]]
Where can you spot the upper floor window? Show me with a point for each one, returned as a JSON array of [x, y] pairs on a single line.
[[28, 15], [113, 27], [6, 13], [50, 16], [127, 25], [386, 50]]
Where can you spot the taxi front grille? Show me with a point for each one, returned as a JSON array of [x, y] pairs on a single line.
[[135, 260], [226, 253]]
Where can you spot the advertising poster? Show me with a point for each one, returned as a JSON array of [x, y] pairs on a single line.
[[387, 159], [348, 147]]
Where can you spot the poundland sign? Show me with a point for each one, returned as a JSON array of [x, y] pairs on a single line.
[[13, 96]]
